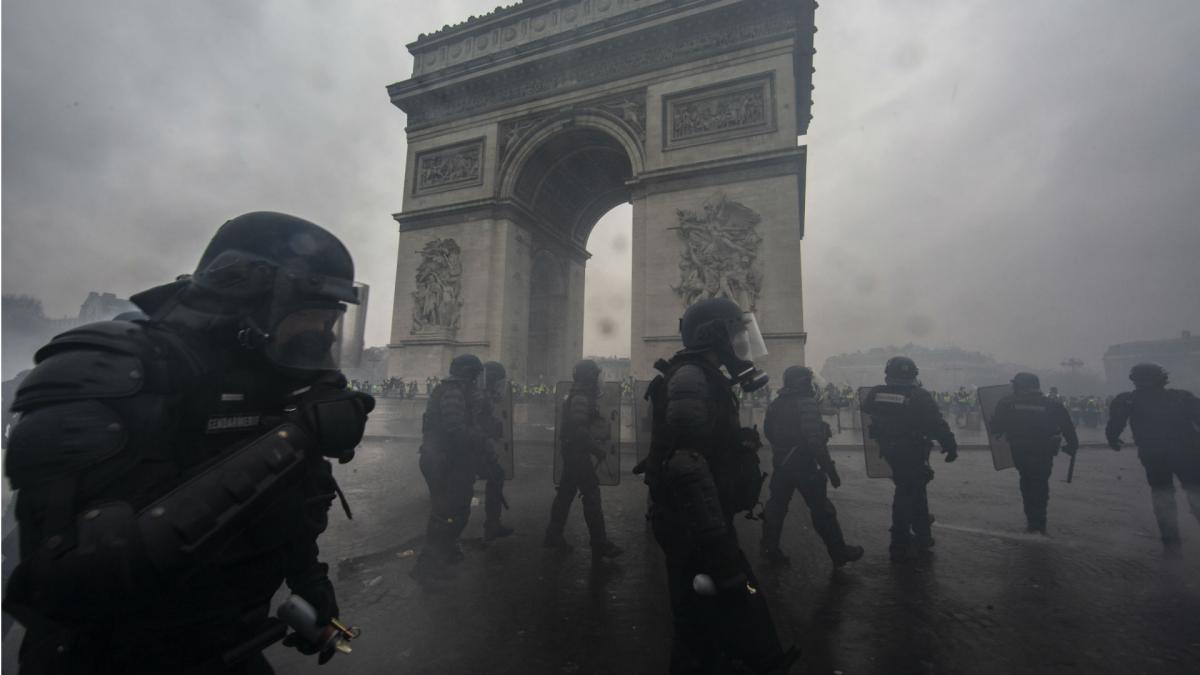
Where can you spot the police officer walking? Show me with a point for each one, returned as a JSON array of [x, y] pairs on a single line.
[[800, 457], [451, 440], [581, 450], [489, 468], [904, 421], [172, 471], [1166, 429], [702, 468], [1035, 426]]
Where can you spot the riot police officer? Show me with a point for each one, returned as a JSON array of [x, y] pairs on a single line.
[[1166, 429], [1035, 427], [451, 442], [801, 461], [489, 468], [581, 423], [904, 421], [171, 471], [702, 468]]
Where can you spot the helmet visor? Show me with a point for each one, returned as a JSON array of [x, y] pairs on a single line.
[[747, 339], [307, 339]]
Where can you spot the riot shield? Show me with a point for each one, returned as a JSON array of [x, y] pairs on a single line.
[[606, 429], [505, 448], [988, 398], [643, 418], [877, 466]]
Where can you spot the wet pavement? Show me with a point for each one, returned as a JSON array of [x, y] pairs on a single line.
[[1096, 595]]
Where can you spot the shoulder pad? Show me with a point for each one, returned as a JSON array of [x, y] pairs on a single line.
[[122, 337], [80, 374], [61, 439]]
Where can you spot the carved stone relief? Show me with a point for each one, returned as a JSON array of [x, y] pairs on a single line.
[[449, 168], [593, 65], [719, 112], [437, 301], [718, 255]]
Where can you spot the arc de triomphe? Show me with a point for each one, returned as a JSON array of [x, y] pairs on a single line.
[[526, 125]]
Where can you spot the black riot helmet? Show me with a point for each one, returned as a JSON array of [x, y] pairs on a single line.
[[283, 282], [1148, 376], [1026, 382], [466, 367], [798, 378], [586, 372], [901, 370], [720, 325], [494, 373]]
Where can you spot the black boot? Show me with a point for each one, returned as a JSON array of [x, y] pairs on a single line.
[[849, 554]]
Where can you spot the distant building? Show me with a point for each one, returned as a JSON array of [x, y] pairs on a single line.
[[103, 307], [1180, 356]]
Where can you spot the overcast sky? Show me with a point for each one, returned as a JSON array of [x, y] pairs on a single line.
[[1021, 178]]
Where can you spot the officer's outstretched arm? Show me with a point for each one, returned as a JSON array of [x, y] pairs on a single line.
[[1118, 416]]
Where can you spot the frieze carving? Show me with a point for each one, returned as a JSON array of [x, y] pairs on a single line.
[[630, 108], [567, 16], [594, 65], [718, 255], [437, 301], [722, 111], [450, 167]]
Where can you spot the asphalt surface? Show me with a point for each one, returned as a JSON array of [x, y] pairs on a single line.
[[1096, 595]]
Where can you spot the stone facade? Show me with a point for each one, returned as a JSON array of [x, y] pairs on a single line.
[[527, 125]]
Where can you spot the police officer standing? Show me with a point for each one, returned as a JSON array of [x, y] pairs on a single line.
[[801, 461], [450, 446], [702, 468], [581, 449], [489, 468], [1035, 426], [1166, 429], [904, 421], [171, 471]]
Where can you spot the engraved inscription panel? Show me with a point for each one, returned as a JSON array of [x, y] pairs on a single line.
[[449, 168]]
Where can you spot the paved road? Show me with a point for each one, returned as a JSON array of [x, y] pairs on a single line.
[[1094, 596]]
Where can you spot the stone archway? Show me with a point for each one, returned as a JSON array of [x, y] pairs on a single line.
[[527, 125]]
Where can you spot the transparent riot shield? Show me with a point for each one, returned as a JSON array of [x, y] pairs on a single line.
[[606, 430], [877, 466], [988, 398], [643, 417], [505, 448]]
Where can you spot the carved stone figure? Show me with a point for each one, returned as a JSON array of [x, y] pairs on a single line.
[[724, 112], [437, 301], [449, 167], [719, 252]]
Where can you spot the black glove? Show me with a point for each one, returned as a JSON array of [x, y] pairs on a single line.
[[951, 453], [1070, 449], [749, 439], [295, 641], [337, 417], [320, 594], [1115, 443]]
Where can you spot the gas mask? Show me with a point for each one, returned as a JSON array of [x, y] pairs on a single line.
[[745, 345]]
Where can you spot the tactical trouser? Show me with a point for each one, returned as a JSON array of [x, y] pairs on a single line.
[[451, 482], [710, 631], [1034, 463], [802, 474], [492, 473], [910, 505], [578, 476], [1162, 467]]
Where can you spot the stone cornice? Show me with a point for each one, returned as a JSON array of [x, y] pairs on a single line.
[[689, 38], [488, 209]]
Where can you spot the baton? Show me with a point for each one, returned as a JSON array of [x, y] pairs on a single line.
[[1071, 466]]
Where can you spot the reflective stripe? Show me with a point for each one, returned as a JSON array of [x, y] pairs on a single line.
[[890, 398]]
